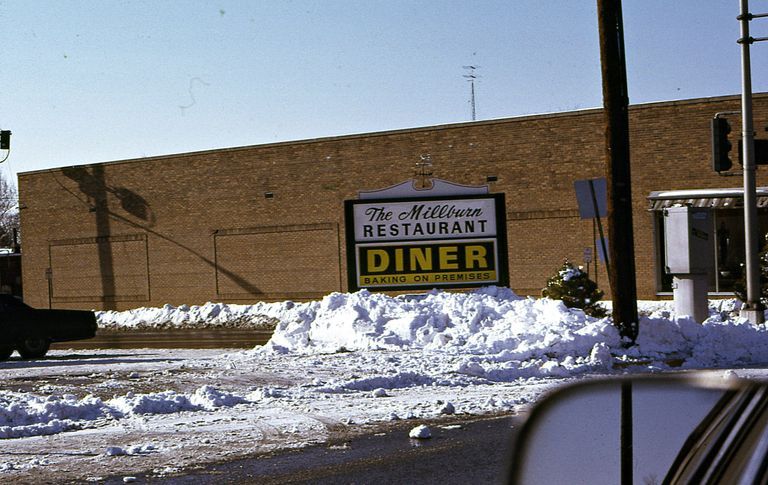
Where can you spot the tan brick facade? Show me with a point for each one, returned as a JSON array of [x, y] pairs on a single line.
[[267, 222]]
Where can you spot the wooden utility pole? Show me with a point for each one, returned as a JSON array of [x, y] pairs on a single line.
[[621, 250]]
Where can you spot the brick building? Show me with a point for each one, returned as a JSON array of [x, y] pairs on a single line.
[[266, 222]]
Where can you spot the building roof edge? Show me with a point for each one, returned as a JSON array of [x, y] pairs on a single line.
[[445, 126]]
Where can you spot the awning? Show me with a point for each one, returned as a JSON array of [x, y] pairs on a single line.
[[712, 198]]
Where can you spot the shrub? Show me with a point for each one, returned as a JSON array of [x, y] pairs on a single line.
[[573, 286]]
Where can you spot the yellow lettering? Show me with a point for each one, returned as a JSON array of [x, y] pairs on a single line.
[[421, 259], [476, 254], [378, 260], [448, 257], [398, 259]]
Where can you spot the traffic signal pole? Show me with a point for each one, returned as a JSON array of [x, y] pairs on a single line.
[[753, 308], [5, 143]]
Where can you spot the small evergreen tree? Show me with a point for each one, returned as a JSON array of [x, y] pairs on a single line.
[[573, 286]]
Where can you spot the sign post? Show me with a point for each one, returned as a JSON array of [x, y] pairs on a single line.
[[591, 196]]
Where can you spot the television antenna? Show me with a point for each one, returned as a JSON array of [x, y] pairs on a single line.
[[471, 76]]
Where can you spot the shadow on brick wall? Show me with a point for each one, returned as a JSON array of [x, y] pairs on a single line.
[[138, 214]]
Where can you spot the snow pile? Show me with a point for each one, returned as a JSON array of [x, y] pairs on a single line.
[[210, 315], [420, 432], [22, 414], [25, 414], [204, 398], [503, 336], [717, 342], [534, 336], [525, 336], [490, 320]]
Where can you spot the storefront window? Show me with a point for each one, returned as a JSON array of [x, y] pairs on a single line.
[[728, 255]]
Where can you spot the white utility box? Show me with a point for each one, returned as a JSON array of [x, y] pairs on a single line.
[[689, 240], [689, 248]]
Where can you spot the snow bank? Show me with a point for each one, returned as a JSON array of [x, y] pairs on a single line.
[[204, 398], [537, 336], [22, 414], [211, 315], [25, 414], [501, 333], [490, 320], [366, 347]]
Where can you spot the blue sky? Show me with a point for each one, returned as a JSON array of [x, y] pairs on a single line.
[[100, 80]]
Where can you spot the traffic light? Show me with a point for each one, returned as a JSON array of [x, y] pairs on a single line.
[[761, 152], [720, 145], [5, 140]]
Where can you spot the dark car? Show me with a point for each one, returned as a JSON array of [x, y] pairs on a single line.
[[31, 331]]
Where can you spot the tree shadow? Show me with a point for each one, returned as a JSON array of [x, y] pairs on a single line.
[[138, 214]]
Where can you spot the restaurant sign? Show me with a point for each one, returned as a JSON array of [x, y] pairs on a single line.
[[435, 242]]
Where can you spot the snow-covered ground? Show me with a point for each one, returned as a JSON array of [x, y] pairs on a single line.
[[344, 364]]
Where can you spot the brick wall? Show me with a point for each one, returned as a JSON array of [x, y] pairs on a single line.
[[266, 222]]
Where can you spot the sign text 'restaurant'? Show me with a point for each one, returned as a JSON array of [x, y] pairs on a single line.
[[424, 220]]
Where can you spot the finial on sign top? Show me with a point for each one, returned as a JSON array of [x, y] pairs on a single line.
[[423, 172]]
